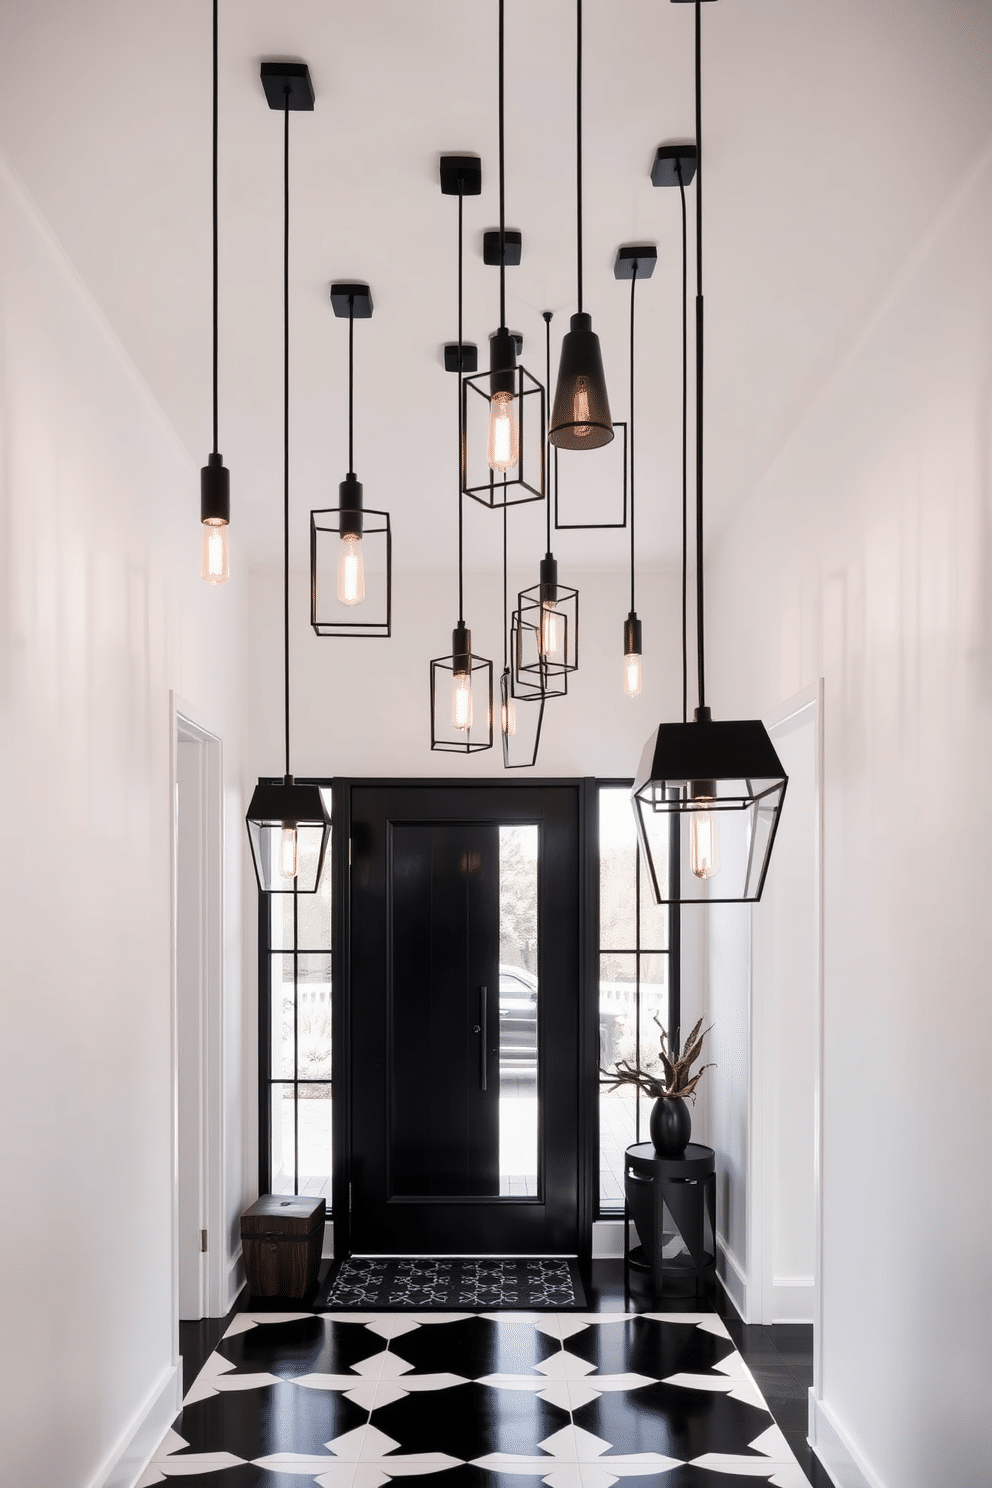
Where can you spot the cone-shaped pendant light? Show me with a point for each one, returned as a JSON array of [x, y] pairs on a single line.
[[707, 796], [215, 478], [288, 823], [580, 418]]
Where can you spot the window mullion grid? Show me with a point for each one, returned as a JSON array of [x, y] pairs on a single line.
[[296, 1043]]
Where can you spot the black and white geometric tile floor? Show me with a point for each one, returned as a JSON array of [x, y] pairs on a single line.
[[496, 1400]]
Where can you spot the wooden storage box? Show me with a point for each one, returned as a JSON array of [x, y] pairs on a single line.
[[281, 1240]]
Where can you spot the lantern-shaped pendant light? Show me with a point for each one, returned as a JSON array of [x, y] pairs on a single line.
[[350, 544], [633, 263], [288, 822], [707, 796], [462, 683], [215, 478], [581, 416]]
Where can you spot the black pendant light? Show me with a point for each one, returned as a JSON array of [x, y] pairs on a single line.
[[350, 544], [633, 262], [707, 796], [462, 683], [288, 823], [547, 614], [215, 478], [510, 399], [581, 415]]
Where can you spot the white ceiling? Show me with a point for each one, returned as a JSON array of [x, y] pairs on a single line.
[[833, 134]]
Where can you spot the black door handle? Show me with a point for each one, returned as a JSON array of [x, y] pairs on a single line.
[[484, 1040]]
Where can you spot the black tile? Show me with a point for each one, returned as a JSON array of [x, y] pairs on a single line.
[[275, 1418], [470, 1420], [777, 1382], [679, 1421]]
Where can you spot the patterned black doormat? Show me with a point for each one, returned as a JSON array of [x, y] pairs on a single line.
[[453, 1285]]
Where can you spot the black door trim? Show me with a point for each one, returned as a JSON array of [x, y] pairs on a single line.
[[587, 1197]]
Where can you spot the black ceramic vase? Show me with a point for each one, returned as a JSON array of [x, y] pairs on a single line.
[[670, 1126]]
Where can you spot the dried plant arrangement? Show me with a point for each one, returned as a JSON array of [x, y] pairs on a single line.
[[674, 1079]]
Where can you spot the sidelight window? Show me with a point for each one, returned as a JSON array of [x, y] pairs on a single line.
[[635, 965], [295, 1027]]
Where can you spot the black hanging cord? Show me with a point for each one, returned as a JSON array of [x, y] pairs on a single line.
[[461, 421], [502, 195], [351, 384], [506, 610], [215, 273], [633, 286], [578, 147], [699, 363], [685, 443], [547, 441], [285, 416]]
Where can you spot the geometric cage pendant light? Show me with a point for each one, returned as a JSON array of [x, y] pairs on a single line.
[[215, 478], [708, 795], [350, 544], [288, 822]]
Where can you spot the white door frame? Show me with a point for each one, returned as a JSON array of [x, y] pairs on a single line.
[[805, 707], [202, 1079]]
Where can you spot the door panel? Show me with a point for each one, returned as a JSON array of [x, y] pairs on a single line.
[[430, 1081]]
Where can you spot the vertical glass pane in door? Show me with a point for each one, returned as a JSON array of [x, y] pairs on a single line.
[[518, 1010]]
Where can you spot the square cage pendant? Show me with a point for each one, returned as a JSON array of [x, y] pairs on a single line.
[[461, 698], [351, 581], [510, 429], [547, 632], [531, 684]]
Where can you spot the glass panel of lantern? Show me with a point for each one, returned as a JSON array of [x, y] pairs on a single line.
[[519, 725], [350, 574], [503, 448], [461, 704], [546, 633]]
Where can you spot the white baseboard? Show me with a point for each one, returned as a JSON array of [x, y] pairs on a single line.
[[607, 1239], [844, 1461], [127, 1460], [793, 1299], [235, 1279], [732, 1274]]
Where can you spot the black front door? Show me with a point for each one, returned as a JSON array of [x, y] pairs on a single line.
[[464, 1019]]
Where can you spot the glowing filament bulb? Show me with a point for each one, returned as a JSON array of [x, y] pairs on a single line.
[[580, 411], [508, 718], [504, 440], [214, 557], [552, 630], [632, 674], [351, 570], [704, 845], [288, 853], [461, 700]]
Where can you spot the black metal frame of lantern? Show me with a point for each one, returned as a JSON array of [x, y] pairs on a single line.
[[444, 669], [351, 519], [519, 728], [461, 176], [288, 821], [719, 786], [555, 478], [633, 262], [521, 397]]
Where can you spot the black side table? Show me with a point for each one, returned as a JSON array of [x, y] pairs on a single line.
[[684, 1189]]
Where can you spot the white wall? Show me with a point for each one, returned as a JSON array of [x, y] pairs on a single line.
[[101, 613], [864, 556]]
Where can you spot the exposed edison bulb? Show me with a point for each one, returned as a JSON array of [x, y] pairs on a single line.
[[552, 630], [351, 570], [461, 700], [580, 412], [632, 674], [503, 450], [288, 853], [704, 844], [508, 718], [215, 564]]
